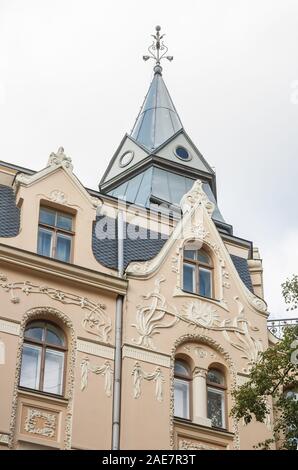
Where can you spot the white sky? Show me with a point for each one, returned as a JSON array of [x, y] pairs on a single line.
[[71, 74]]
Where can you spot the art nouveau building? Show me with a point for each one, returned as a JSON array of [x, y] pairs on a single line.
[[129, 314]]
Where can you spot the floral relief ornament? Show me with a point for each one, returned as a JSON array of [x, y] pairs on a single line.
[[33, 419], [150, 319], [96, 321]]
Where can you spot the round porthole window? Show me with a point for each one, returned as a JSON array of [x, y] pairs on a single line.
[[182, 153], [126, 158]]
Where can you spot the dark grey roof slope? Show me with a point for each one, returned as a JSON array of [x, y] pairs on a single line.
[[9, 213], [243, 271], [140, 244], [145, 245]]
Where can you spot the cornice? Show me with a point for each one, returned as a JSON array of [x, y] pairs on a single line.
[[28, 260]]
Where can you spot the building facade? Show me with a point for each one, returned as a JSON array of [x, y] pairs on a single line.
[[127, 315]]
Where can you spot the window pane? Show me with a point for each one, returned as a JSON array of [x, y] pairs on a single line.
[[54, 335], [215, 376], [205, 282], [188, 277], [181, 368], [64, 221], [44, 246], [181, 398], [215, 407], [203, 257], [53, 372], [30, 371], [47, 216], [35, 331], [63, 247], [190, 254]]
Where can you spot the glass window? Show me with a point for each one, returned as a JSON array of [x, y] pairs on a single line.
[[181, 398], [189, 278], [55, 234], [30, 372], [182, 153], [181, 390], [45, 237], [215, 407], [216, 398], [205, 282], [197, 272], [43, 358]]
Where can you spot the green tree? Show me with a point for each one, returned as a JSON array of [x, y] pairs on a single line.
[[274, 375]]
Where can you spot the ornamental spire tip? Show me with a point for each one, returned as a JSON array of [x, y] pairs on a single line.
[[157, 51]]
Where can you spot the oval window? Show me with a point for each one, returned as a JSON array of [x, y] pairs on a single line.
[[126, 158], [182, 153]]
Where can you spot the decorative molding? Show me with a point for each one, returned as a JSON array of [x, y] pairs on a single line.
[[194, 196], [156, 376], [9, 327], [2, 352], [190, 445], [59, 158], [196, 225], [200, 372], [95, 349], [4, 439], [236, 331], [34, 417], [105, 370], [201, 340], [58, 196], [36, 313], [149, 319], [146, 356], [200, 314], [96, 321]]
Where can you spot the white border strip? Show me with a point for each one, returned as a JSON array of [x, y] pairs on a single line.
[[146, 356], [95, 349], [9, 327]]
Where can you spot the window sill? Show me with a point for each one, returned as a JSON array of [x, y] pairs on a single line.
[[37, 394], [190, 424]]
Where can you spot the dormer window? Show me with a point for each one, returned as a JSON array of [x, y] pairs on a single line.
[[55, 234], [197, 272]]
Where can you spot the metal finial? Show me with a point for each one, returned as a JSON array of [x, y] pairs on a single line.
[[157, 50]]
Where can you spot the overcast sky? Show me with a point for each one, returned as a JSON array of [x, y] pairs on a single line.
[[71, 74]]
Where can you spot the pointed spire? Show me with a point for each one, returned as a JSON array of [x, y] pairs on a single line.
[[158, 119]]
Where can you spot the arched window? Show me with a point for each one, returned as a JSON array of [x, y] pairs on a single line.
[[43, 358], [216, 398], [197, 272], [182, 380]]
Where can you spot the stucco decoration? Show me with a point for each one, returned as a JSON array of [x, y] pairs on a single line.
[[237, 331], [150, 318], [139, 375], [184, 444], [196, 225], [195, 195], [60, 158], [58, 196], [96, 321], [202, 340], [37, 313], [35, 417], [4, 439], [2, 352], [201, 314], [105, 370]]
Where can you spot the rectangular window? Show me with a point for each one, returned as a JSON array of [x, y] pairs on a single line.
[[55, 234], [181, 398], [189, 277], [53, 371], [216, 407], [30, 372], [205, 282]]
